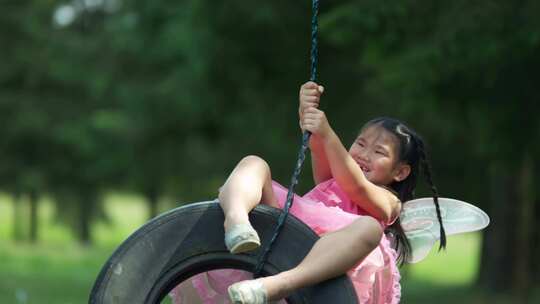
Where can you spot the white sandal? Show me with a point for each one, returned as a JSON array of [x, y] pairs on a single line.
[[242, 238], [247, 292]]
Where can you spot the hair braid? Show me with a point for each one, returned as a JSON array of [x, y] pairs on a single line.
[[426, 168]]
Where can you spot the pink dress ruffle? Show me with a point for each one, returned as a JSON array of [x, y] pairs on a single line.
[[325, 208]]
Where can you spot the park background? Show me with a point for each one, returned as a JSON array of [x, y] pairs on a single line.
[[112, 111]]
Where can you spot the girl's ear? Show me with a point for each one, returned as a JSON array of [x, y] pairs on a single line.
[[401, 172]]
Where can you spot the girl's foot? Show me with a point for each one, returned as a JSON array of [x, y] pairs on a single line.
[[262, 290], [247, 292], [241, 238]]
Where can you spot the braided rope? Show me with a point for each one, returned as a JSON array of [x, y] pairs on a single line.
[[301, 153]]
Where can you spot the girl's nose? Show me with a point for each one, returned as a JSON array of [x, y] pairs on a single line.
[[363, 154]]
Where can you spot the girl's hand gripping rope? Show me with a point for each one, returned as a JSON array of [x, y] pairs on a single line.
[[315, 121], [310, 96]]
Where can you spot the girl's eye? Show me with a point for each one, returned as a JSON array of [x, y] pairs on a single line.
[[380, 152]]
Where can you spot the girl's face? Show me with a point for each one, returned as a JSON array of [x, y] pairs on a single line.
[[375, 150]]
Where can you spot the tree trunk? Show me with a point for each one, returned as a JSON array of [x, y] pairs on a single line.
[[498, 244], [152, 197], [34, 218], [18, 217], [86, 208], [536, 248], [508, 263], [523, 276]]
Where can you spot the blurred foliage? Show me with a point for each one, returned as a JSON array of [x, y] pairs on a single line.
[[164, 97]]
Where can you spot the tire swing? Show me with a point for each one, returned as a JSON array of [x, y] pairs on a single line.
[[188, 240]]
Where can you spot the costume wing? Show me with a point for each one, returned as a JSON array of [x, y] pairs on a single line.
[[419, 221]]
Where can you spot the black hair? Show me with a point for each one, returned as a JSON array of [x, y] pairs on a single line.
[[411, 150]]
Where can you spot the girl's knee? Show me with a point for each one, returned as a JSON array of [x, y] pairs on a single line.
[[254, 160]]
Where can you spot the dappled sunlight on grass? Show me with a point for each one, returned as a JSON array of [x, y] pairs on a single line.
[[127, 214], [49, 229]]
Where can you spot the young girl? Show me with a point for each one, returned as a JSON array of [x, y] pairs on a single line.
[[357, 198]]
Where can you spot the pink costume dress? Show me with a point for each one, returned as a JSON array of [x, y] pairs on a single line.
[[325, 208]]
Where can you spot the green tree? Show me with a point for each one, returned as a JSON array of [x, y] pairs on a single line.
[[462, 72]]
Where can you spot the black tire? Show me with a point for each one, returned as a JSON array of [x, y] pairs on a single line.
[[189, 240]]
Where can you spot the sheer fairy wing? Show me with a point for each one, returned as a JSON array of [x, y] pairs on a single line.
[[419, 221]]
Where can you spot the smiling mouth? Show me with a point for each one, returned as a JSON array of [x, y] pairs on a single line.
[[364, 168]]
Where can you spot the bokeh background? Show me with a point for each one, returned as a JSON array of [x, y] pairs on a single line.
[[112, 111]]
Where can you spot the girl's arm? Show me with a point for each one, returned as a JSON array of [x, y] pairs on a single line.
[[377, 201], [319, 161]]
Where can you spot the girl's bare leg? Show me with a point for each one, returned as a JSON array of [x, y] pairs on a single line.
[[249, 183], [332, 255]]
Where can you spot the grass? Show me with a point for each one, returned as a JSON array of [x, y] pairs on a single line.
[[48, 273], [58, 270]]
